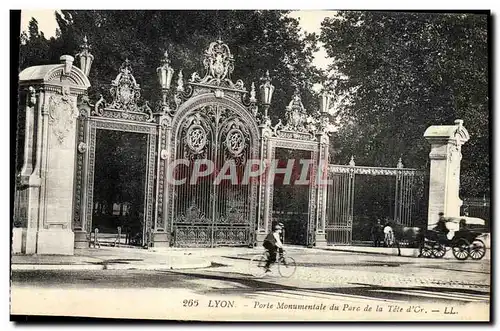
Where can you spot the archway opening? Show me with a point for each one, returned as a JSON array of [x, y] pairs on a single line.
[[291, 194], [119, 187]]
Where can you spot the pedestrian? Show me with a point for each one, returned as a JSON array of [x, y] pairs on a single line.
[[377, 233]]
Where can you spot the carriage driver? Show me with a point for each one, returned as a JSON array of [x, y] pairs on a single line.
[[441, 225]]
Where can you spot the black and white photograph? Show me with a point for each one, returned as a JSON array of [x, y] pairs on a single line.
[[251, 165]]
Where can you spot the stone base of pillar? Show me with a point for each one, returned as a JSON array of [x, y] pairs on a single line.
[[81, 239], [259, 238], [18, 240], [320, 239], [56, 242], [30, 241], [161, 239]]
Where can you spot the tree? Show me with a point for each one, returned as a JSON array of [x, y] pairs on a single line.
[[404, 72], [34, 47], [259, 40]]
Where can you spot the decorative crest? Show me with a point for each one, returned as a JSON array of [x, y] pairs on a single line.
[[219, 64], [296, 114], [351, 162], [124, 89]]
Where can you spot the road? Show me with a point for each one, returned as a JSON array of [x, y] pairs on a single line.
[[322, 277]]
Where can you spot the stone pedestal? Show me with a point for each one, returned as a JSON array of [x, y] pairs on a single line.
[[259, 238], [161, 239], [17, 240], [320, 240], [444, 179], [55, 241], [81, 239], [45, 183]]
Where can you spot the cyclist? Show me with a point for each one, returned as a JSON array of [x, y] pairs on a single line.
[[273, 245]]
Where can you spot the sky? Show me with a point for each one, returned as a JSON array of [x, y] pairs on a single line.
[[310, 21]]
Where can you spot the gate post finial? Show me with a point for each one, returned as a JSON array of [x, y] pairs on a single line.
[[351, 162], [400, 164]]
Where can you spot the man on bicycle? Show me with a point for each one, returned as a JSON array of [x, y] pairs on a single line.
[[273, 245]]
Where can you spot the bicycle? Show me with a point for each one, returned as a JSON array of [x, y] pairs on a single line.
[[286, 264]]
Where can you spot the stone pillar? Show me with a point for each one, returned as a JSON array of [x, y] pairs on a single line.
[[264, 186], [322, 188], [162, 236], [44, 187], [444, 180]]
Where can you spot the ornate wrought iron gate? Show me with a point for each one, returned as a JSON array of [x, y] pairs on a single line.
[[408, 196], [214, 135], [214, 209]]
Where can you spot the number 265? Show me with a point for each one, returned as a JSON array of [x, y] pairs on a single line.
[[190, 303]]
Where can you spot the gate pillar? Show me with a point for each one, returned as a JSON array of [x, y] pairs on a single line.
[[444, 180], [44, 184], [264, 205], [322, 189]]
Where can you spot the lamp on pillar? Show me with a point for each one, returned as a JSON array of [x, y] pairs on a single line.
[[86, 58], [266, 93], [165, 74]]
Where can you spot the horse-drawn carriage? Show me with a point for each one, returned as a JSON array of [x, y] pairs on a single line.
[[464, 241]]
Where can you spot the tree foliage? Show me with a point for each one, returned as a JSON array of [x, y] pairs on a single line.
[[259, 40], [405, 72]]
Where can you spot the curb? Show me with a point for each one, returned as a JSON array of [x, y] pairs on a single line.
[[89, 267], [414, 254]]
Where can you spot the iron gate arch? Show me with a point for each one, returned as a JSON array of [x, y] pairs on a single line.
[[205, 213]]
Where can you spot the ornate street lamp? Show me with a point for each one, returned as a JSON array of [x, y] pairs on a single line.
[[86, 58], [165, 74], [266, 93]]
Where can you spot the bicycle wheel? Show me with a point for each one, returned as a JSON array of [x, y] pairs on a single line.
[[258, 265], [287, 266]]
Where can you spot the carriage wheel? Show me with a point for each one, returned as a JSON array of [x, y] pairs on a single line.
[[461, 249], [438, 250], [427, 250], [477, 249]]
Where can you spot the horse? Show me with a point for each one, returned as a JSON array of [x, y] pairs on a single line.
[[402, 232]]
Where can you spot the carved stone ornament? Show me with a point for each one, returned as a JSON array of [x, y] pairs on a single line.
[[125, 90], [62, 116], [219, 64]]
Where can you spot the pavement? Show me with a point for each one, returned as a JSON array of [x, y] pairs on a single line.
[[111, 258], [121, 258]]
